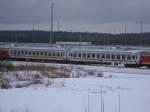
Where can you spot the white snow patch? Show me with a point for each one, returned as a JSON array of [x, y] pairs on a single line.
[[71, 94]]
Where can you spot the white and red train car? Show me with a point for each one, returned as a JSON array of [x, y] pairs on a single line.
[[127, 57]]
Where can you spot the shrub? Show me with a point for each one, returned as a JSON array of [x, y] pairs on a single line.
[[5, 84], [100, 74]]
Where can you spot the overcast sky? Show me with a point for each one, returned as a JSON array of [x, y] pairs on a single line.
[[76, 15]]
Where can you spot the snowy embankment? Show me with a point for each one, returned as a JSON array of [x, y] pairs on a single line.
[[116, 69], [79, 93]]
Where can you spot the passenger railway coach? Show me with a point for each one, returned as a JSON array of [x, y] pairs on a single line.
[[125, 57]]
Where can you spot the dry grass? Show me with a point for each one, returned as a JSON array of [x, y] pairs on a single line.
[[29, 78], [50, 71], [5, 84]]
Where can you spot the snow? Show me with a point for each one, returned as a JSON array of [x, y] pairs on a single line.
[[91, 67], [71, 94]]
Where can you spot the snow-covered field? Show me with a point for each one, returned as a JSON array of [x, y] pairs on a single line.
[[84, 94]]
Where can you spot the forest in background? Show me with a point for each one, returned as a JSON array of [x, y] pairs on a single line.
[[136, 39]]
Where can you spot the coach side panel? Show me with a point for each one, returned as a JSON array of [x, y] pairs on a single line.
[[145, 59], [4, 53]]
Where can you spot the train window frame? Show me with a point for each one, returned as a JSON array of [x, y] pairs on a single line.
[[84, 55], [79, 55], [62, 53], [14, 52], [26, 53], [45, 53], [57, 54], [133, 57], [70, 54], [98, 55], [107, 56], [18, 52], [123, 57], [33, 53], [49, 54], [75, 54], [118, 57], [11, 51], [93, 55], [88, 55], [30, 53], [41, 53], [102, 56], [37, 53], [22, 52], [128, 57], [113, 56], [53, 54]]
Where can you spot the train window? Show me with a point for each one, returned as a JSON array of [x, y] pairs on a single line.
[[53, 53], [70, 54], [29, 52], [84, 55], [88, 55], [98, 55], [113, 56], [128, 57], [10, 51], [118, 56], [22, 52], [108, 56], [103, 56], [37, 52], [49, 54], [41, 53], [57, 54], [79, 55], [93, 55], [33, 52], [18, 52], [25, 52], [75, 54], [14, 52], [62, 53], [123, 57], [45, 53], [133, 57]]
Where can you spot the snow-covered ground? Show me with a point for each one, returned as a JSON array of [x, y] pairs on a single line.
[[79, 94]]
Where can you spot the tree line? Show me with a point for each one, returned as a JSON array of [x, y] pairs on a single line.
[[136, 39]]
